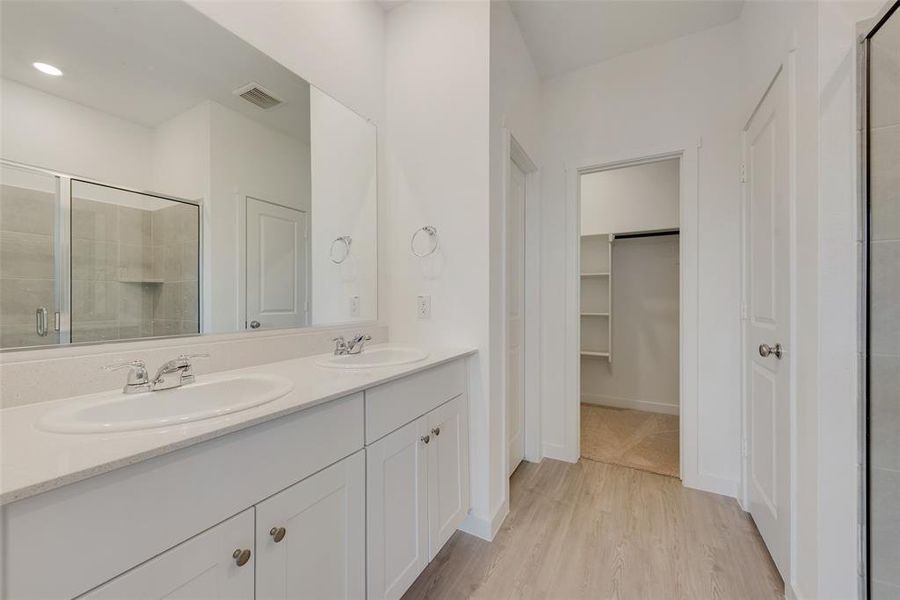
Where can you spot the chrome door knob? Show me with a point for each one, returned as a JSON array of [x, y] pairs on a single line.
[[765, 350], [436, 431], [426, 438], [254, 324]]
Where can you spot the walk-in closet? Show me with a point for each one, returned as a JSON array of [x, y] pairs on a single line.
[[629, 315]]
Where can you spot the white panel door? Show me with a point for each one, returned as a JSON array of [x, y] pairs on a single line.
[[277, 266], [768, 325], [310, 538], [396, 507], [515, 321], [448, 471], [202, 567]]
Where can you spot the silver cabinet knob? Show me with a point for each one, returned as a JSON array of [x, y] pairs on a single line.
[[426, 438], [241, 556], [254, 324], [765, 350], [436, 431], [277, 533]]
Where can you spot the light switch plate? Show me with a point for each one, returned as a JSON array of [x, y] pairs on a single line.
[[423, 307]]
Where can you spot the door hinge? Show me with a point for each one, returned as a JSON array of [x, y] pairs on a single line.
[[743, 311], [743, 173]]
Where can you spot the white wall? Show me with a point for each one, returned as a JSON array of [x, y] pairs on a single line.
[[639, 198], [436, 167], [643, 374], [47, 131], [246, 159], [338, 47], [514, 107], [839, 371], [682, 92], [344, 202]]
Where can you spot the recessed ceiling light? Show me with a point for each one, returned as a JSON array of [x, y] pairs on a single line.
[[47, 69]]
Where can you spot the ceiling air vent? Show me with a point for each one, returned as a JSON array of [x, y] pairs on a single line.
[[258, 95]]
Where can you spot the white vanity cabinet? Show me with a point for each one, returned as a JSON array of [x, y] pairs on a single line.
[[215, 565], [310, 538], [417, 477]]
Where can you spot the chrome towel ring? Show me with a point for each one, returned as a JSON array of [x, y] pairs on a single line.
[[433, 236], [342, 242]]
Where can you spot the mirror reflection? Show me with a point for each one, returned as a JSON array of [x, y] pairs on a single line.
[[162, 177]]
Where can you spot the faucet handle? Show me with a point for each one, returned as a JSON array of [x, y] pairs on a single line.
[[138, 380], [190, 356]]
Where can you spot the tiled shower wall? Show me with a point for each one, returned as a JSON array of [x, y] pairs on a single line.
[[134, 271], [884, 312], [26, 263]]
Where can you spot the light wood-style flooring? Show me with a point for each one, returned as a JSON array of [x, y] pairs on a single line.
[[631, 438], [594, 530]]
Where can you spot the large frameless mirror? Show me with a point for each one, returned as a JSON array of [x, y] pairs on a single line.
[[162, 177]]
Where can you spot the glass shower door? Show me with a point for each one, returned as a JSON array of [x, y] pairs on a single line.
[[30, 258], [883, 308]]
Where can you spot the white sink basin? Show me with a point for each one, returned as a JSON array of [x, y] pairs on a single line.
[[375, 356], [115, 411]]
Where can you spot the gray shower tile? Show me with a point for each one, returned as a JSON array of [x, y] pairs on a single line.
[[20, 336], [135, 262], [189, 261], [134, 225], [95, 260], [26, 211], [884, 411], [94, 331], [94, 301], [884, 525], [26, 255], [20, 298], [884, 186], [94, 220], [884, 290], [885, 82], [881, 590]]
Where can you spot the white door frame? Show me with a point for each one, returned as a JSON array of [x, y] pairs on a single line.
[[788, 69], [514, 152], [687, 151]]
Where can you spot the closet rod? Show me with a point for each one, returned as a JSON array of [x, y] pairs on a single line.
[[628, 236]]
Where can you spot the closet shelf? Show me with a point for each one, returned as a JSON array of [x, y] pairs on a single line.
[[587, 275], [593, 354], [595, 314]]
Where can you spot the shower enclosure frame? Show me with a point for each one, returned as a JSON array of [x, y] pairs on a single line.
[[62, 242], [866, 32]]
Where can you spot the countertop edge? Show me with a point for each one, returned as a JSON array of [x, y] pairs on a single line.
[[28, 491]]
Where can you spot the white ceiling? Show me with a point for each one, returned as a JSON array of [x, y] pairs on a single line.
[[563, 35], [145, 62]]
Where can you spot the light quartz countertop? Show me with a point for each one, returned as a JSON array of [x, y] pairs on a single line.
[[34, 461]]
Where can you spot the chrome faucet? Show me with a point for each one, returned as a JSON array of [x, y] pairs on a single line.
[[354, 346], [173, 373]]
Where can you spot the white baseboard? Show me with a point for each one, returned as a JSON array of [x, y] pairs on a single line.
[[644, 405], [714, 484], [485, 528], [558, 452]]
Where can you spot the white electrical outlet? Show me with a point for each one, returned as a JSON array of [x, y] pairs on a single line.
[[423, 307], [354, 306]]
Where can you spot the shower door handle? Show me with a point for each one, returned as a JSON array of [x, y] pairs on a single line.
[[40, 321]]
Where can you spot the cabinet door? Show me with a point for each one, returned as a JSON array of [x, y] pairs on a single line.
[[320, 554], [448, 471], [202, 567], [397, 511]]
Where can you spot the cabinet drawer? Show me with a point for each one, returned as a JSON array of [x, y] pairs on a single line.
[[392, 405], [89, 532]]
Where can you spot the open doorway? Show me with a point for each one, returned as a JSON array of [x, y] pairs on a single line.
[[629, 315]]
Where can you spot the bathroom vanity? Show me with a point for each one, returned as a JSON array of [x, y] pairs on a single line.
[[345, 487]]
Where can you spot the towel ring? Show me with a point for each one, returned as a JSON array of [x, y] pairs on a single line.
[[345, 241], [432, 233]]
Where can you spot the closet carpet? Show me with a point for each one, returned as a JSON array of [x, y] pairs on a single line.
[[630, 438]]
